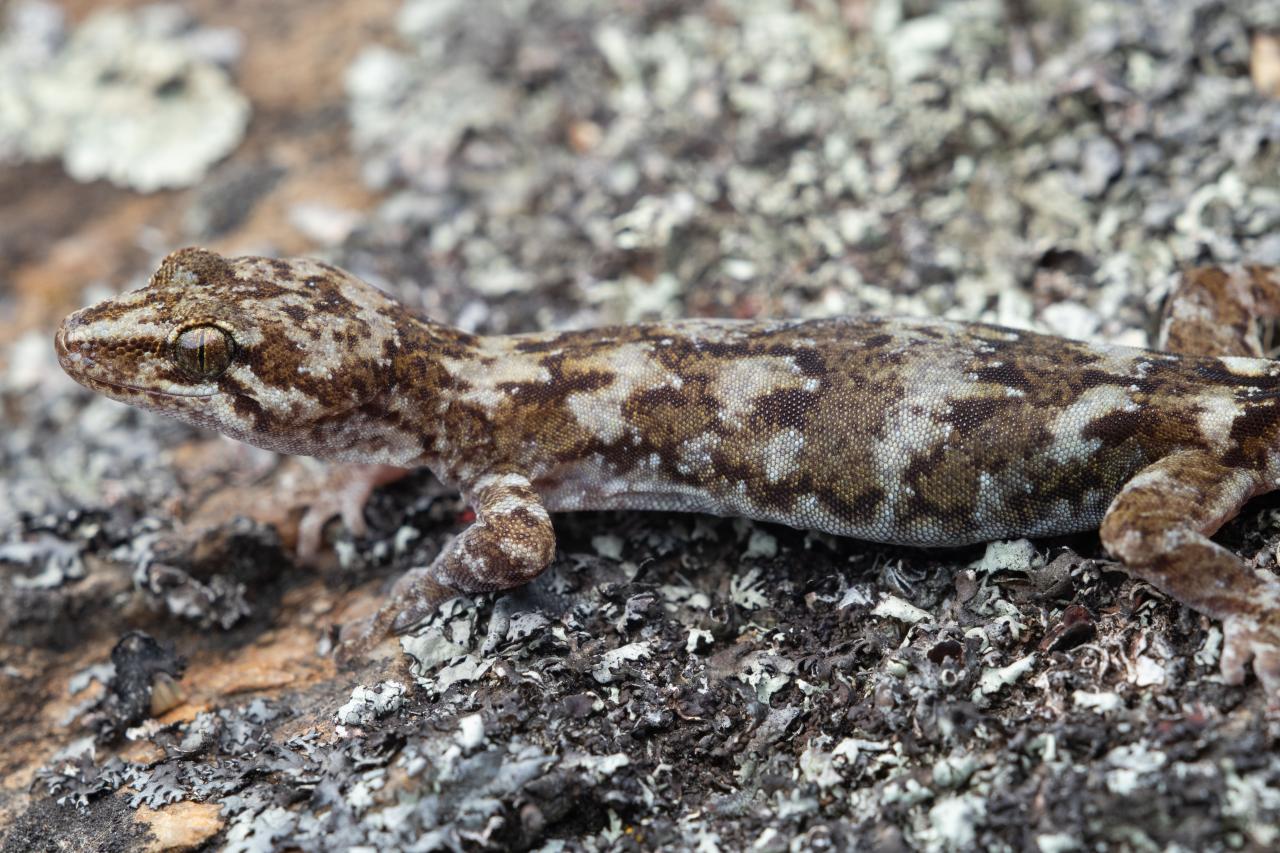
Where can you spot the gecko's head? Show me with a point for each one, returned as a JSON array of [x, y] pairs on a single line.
[[281, 354]]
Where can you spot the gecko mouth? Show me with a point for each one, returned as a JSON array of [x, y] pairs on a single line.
[[105, 385]]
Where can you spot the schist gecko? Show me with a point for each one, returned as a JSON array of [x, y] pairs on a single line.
[[899, 430]]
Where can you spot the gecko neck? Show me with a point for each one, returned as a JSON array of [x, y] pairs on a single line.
[[542, 403], [467, 399], [464, 405], [417, 419]]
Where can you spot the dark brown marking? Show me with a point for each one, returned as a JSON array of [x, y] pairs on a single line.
[[860, 506], [968, 415], [1007, 375], [878, 341], [1115, 427], [788, 408]]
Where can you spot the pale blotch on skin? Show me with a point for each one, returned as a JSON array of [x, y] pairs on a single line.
[[632, 369], [1249, 367], [743, 381], [482, 386], [781, 454], [1217, 412], [1067, 425], [694, 455]]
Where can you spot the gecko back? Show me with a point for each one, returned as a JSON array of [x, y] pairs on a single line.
[[897, 430]]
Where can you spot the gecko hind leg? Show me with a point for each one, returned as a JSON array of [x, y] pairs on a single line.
[[1215, 311], [1159, 526]]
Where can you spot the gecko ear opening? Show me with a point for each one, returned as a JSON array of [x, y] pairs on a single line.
[[203, 352]]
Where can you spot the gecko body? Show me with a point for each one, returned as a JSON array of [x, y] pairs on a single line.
[[908, 431]]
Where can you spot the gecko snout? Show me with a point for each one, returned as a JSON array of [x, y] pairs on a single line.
[[67, 345], [76, 345]]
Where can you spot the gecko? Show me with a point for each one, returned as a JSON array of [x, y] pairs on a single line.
[[910, 431]]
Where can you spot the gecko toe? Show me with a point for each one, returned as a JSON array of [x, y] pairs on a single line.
[[311, 526], [415, 597], [1247, 639], [1233, 669], [310, 534], [1266, 665], [1236, 650], [356, 640], [344, 493], [409, 618]]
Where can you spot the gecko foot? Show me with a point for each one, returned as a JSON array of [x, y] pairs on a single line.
[[346, 493], [1248, 637], [415, 597]]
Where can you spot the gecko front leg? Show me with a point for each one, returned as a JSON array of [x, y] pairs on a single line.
[[510, 544], [1159, 525]]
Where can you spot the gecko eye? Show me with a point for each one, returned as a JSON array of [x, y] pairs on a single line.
[[203, 352]]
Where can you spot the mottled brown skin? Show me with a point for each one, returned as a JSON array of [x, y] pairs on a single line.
[[898, 430]]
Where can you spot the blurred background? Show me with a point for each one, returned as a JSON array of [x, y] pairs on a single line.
[[507, 165]]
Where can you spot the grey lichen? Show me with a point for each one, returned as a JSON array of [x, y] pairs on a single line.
[[140, 98]]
